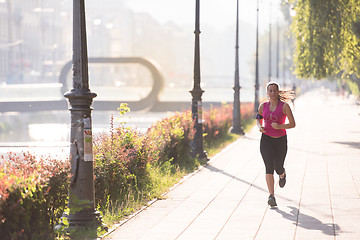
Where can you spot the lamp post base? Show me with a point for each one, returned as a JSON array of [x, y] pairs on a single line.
[[84, 219], [238, 131], [81, 222], [200, 155]]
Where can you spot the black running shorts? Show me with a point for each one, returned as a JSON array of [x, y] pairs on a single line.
[[273, 152]]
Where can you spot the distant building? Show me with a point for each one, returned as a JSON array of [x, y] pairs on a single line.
[[32, 40], [36, 42]]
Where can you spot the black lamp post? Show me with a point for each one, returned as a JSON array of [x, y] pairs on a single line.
[[277, 49], [256, 105], [197, 143], [236, 128], [284, 60], [269, 42], [82, 191]]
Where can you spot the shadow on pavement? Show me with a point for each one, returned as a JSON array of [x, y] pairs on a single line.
[[214, 169], [308, 222], [351, 144]]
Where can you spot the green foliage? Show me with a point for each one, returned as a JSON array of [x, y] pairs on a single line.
[[32, 196], [123, 109], [170, 139], [217, 121], [126, 160], [353, 86], [120, 165], [326, 42]]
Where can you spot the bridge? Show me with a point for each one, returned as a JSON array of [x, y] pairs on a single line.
[[49, 97], [41, 101]]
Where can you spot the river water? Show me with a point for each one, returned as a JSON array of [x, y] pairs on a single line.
[[49, 132]]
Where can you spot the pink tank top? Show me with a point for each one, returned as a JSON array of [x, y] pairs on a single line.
[[276, 116]]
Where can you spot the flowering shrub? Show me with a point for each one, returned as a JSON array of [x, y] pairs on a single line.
[[122, 157], [218, 120], [119, 164], [32, 196], [169, 138], [127, 165], [247, 111]]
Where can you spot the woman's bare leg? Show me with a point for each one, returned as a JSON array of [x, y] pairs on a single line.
[[270, 183]]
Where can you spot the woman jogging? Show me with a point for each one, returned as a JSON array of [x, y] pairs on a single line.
[[273, 143]]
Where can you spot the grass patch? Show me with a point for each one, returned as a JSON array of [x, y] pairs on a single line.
[[216, 147]]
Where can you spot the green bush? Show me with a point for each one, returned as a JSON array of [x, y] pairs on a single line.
[[32, 196], [170, 139], [120, 163], [125, 158]]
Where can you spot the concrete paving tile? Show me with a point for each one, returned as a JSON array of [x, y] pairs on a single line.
[[232, 235], [347, 219], [348, 237], [156, 212], [156, 236], [288, 214], [306, 235], [273, 234], [238, 231]]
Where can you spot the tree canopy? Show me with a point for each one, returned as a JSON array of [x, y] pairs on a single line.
[[327, 36]]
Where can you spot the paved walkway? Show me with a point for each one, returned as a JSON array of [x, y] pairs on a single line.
[[227, 199]]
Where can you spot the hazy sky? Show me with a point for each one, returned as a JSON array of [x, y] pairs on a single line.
[[218, 13]]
